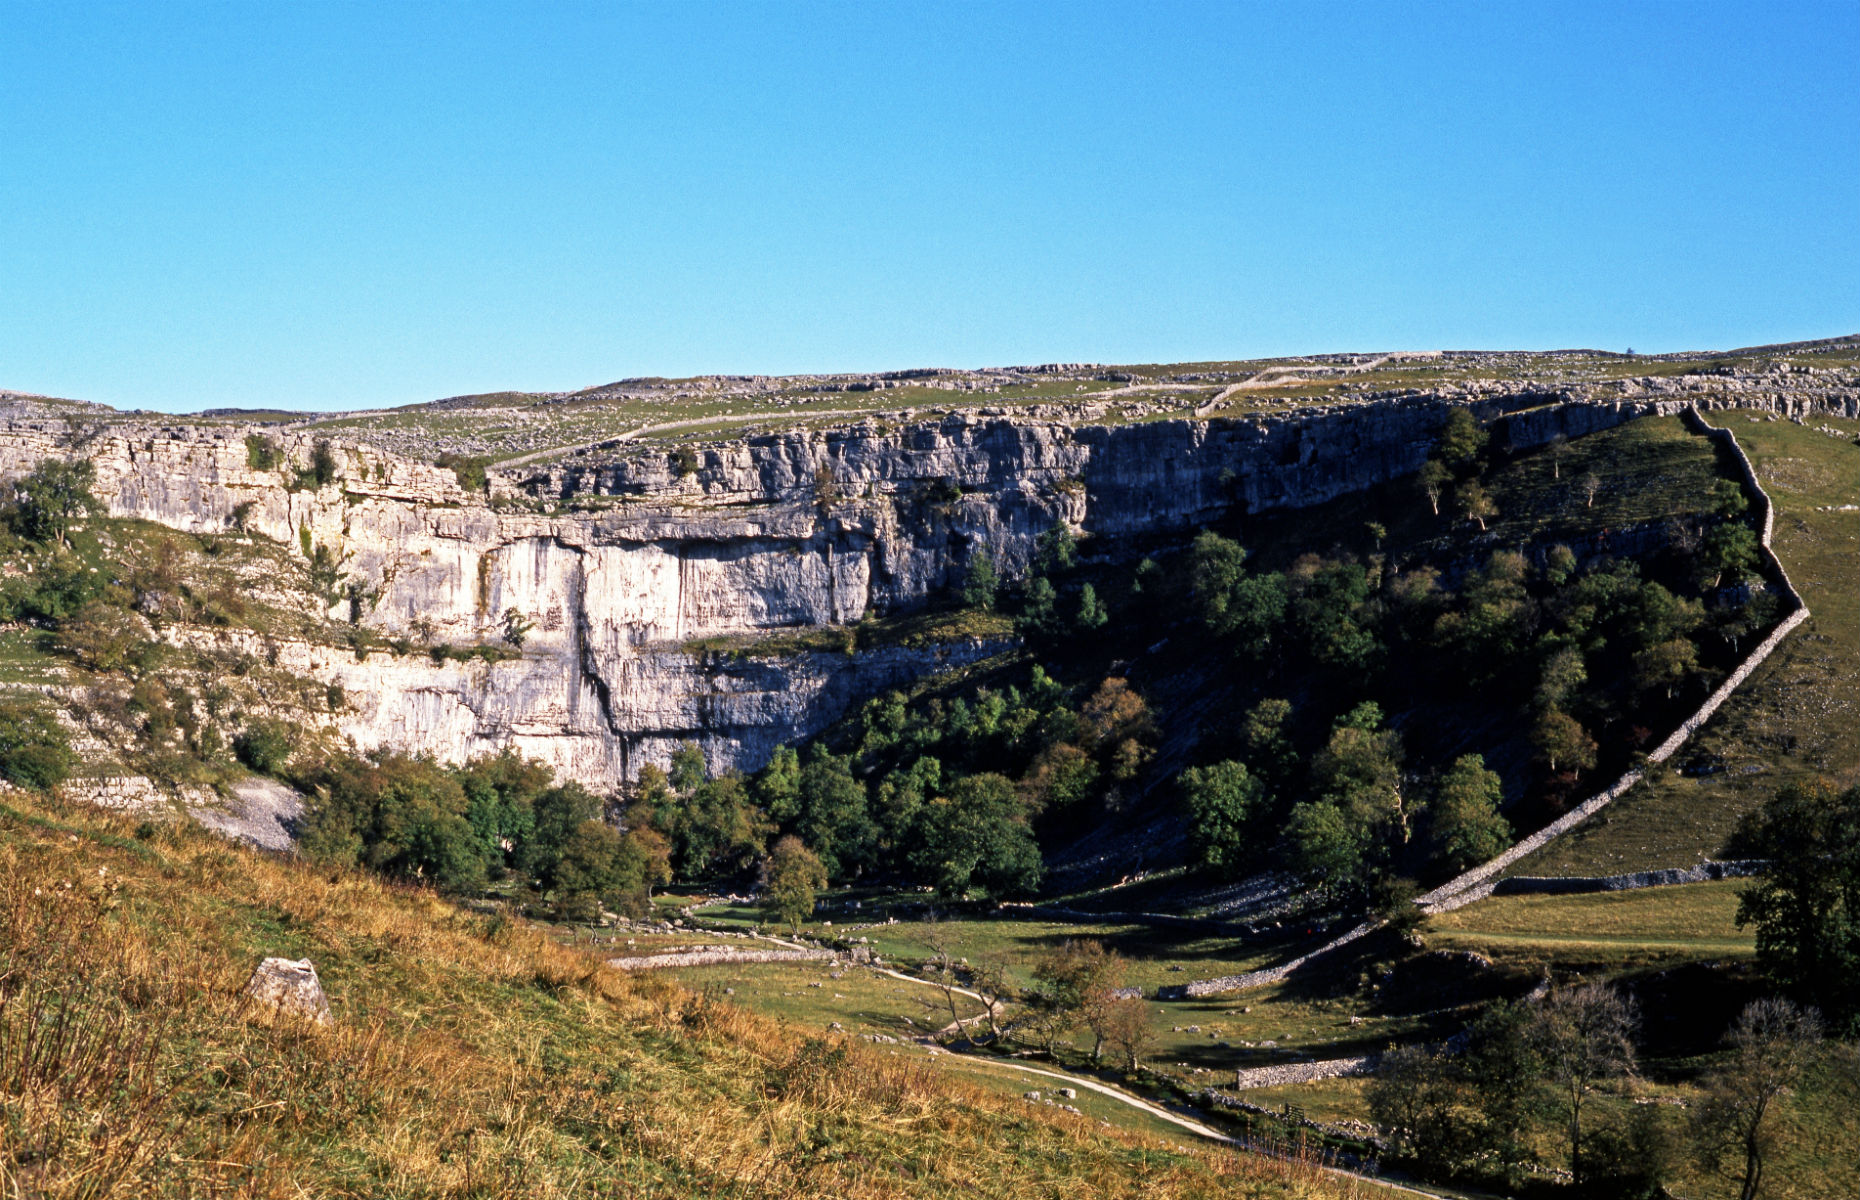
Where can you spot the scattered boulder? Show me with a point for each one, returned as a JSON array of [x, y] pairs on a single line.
[[289, 987]]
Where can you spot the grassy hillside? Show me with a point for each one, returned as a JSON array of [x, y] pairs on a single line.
[[470, 1056]]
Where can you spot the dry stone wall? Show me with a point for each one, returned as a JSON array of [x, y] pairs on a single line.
[[1704, 872]]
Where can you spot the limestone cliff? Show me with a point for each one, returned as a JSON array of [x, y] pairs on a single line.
[[618, 562]]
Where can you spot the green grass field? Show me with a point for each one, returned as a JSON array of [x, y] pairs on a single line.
[[1694, 921]]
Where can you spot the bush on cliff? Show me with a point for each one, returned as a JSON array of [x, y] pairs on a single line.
[[34, 749]]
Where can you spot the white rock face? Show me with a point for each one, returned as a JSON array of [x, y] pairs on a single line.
[[739, 547]]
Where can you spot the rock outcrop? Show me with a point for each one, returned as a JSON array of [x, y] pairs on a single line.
[[288, 987], [615, 562]]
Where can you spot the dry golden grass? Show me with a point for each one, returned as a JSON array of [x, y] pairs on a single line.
[[471, 1057]]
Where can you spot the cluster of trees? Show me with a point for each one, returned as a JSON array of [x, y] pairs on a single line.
[[1579, 655], [38, 523], [1078, 986], [1349, 814], [1525, 1071], [457, 828], [942, 792], [35, 751], [1541, 635]]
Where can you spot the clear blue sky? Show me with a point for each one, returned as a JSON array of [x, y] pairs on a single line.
[[327, 205]]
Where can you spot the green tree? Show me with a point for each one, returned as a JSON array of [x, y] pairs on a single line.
[[1080, 979], [1092, 612], [1559, 565], [327, 573], [265, 745], [322, 463], [1467, 828], [796, 877], [587, 870], [501, 791], [1412, 1100], [55, 494], [1224, 802], [777, 786], [104, 637], [468, 470], [556, 814], [262, 453], [1232, 602], [1476, 504], [1564, 671], [1729, 554], [1504, 1075], [832, 814], [976, 838], [1331, 613], [1330, 850], [1061, 777], [400, 815], [1665, 665], [1562, 742], [35, 751], [1359, 772], [689, 770], [1124, 1026], [901, 796], [1058, 549], [1269, 750], [1806, 906], [719, 830], [1461, 440], [517, 627], [1433, 480], [1038, 606], [1584, 1035], [981, 581]]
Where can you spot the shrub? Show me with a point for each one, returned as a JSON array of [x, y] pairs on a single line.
[[34, 750], [54, 495], [469, 470], [262, 453], [264, 746]]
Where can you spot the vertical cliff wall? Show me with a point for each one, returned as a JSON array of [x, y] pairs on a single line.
[[616, 565]]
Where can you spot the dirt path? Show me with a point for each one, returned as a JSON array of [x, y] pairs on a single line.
[[1266, 378], [1105, 1089], [1178, 1120], [1317, 1070], [665, 427]]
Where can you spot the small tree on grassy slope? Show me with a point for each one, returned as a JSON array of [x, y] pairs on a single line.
[[795, 880], [1773, 1045]]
